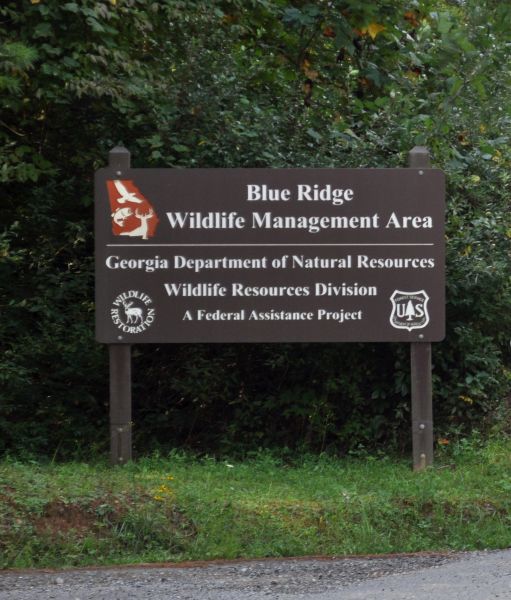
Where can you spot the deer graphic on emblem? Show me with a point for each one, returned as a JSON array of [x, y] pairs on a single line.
[[133, 315], [143, 228]]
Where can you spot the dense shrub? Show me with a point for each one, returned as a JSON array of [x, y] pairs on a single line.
[[227, 84]]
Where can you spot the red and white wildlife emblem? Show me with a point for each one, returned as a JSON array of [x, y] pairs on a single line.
[[409, 310], [132, 214]]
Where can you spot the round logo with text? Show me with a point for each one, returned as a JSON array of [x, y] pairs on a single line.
[[132, 311]]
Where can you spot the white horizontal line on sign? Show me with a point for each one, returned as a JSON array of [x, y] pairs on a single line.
[[251, 245]]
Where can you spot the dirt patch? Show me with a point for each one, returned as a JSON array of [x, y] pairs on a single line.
[[60, 518], [6, 496], [426, 508], [100, 517], [86, 518]]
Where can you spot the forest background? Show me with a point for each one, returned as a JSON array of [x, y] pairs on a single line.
[[246, 83]]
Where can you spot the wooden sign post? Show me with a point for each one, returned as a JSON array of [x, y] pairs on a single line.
[[421, 367], [120, 364]]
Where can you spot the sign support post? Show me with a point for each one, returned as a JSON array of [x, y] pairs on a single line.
[[420, 362], [120, 403], [120, 363]]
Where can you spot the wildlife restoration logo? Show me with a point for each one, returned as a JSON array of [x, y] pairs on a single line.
[[131, 212], [132, 312], [409, 310]]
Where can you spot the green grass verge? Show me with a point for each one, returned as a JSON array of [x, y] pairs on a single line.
[[180, 508]]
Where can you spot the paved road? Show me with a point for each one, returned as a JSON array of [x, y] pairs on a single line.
[[468, 576]]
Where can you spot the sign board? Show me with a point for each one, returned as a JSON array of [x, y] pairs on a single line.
[[269, 255]]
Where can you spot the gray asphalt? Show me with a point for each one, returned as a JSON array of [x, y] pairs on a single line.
[[467, 576]]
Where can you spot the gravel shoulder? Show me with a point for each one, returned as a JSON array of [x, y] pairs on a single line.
[[396, 577]]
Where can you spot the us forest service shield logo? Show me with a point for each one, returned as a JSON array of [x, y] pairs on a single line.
[[132, 213], [132, 311], [409, 310]]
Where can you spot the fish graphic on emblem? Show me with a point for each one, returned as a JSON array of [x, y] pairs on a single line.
[[409, 310]]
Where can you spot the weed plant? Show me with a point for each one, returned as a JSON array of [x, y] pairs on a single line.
[[180, 507]]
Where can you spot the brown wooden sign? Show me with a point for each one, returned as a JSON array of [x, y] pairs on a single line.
[[269, 255]]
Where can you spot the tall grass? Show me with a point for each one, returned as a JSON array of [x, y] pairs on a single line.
[[180, 507]]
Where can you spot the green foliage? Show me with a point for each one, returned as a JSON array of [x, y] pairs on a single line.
[[180, 507], [231, 84]]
